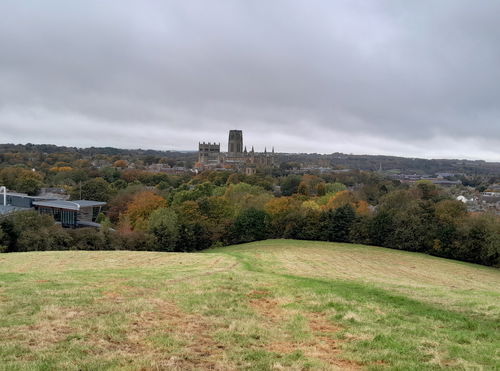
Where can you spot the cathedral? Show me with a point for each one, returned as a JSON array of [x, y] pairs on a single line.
[[236, 157]]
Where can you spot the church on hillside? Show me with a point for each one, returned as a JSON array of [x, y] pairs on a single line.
[[236, 157]]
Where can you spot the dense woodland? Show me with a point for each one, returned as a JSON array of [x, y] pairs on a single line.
[[155, 211]]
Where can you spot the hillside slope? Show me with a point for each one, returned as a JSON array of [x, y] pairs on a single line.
[[267, 305]]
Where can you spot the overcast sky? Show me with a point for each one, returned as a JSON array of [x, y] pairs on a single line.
[[411, 78]]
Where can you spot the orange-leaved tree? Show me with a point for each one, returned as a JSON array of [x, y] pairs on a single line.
[[340, 199], [344, 198], [142, 206], [58, 169], [121, 164]]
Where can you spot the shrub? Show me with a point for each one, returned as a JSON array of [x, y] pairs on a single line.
[[88, 239]]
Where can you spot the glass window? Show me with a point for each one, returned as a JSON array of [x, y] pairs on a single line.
[[57, 215]]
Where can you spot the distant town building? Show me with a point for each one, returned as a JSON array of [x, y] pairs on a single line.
[[237, 156], [413, 178], [163, 168], [235, 143], [209, 153]]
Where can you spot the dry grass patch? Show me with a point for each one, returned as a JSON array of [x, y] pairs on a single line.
[[290, 305], [60, 261], [160, 337], [53, 325], [320, 342]]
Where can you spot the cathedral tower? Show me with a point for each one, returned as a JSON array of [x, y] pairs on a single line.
[[235, 144]]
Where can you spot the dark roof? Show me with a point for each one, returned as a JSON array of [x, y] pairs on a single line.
[[69, 205]]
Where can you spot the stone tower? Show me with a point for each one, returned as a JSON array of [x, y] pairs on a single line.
[[208, 153], [235, 144]]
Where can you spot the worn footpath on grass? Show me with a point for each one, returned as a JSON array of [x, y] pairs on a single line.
[[277, 304]]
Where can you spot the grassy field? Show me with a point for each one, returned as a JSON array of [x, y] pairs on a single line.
[[277, 304]]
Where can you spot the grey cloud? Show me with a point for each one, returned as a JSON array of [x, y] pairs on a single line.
[[317, 76]]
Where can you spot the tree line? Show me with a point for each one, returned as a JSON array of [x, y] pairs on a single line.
[[159, 212]]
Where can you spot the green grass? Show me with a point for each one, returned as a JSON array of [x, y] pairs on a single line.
[[277, 304]]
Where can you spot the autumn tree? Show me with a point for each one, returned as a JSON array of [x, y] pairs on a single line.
[[122, 164], [142, 206], [58, 169], [362, 208], [118, 205], [340, 199], [132, 175], [310, 205], [302, 189], [280, 211]]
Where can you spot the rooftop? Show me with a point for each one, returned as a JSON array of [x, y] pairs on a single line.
[[16, 194], [69, 205]]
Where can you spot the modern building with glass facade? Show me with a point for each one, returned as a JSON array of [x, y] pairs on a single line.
[[71, 214]]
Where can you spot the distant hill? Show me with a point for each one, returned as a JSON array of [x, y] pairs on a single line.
[[400, 164], [336, 160], [90, 151]]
